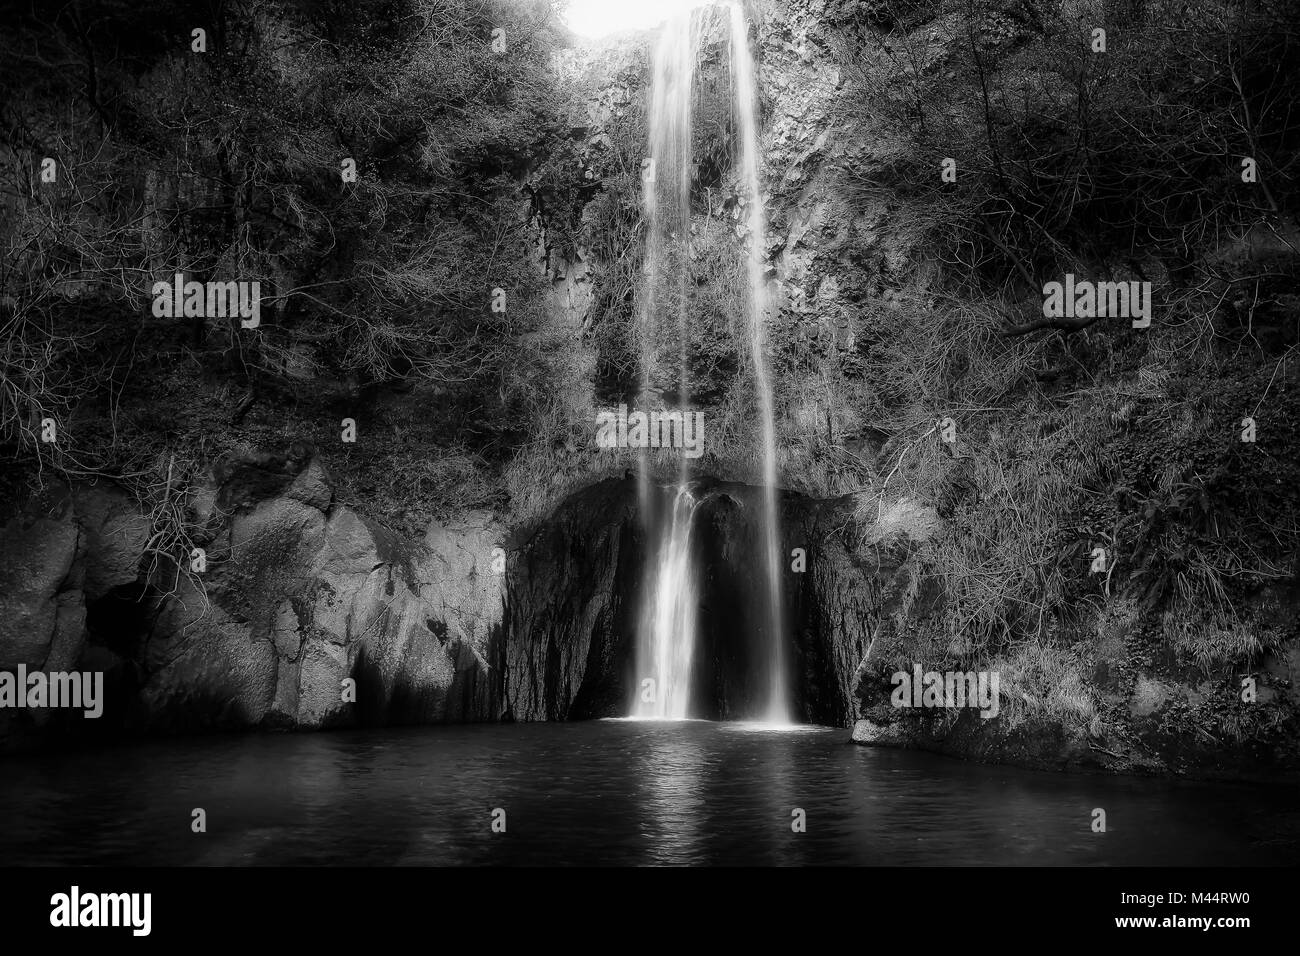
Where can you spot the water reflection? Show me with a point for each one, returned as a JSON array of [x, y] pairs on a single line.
[[672, 808], [619, 791]]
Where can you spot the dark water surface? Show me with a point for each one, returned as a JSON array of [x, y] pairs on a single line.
[[608, 792]]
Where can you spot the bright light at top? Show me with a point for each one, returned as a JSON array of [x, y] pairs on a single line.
[[598, 18]]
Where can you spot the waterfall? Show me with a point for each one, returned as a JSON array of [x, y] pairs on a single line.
[[667, 200], [746, 95], [666, 643], [671, 616]]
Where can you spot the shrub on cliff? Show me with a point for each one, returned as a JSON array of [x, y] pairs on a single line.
[[228, 156], [1068, 158], [1118, 442]]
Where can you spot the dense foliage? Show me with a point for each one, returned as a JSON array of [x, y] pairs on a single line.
[[229, 164]]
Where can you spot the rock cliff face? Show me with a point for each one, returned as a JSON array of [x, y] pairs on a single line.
[[299, 594], [308, 616], [65, 552], [565, 649], [302, 597]]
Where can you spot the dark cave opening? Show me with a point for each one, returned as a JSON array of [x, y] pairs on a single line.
[[730, 670], [121, 619]]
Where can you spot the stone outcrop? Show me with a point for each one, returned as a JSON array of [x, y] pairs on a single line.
[[303, 595], [300, 594]]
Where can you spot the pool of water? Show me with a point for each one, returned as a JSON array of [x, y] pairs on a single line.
[[608, 792]]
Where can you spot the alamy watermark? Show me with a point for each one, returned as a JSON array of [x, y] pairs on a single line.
[[74, 908], [1084, 299], [216, 300], [949, 689], [656, 429], [77, 690]]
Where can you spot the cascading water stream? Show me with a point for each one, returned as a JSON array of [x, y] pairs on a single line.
[[672, 625], [666, 644], [746, 98], [666, 192]]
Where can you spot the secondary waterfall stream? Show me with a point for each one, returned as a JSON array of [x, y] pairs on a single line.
[[746, 98], [667, 641]]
